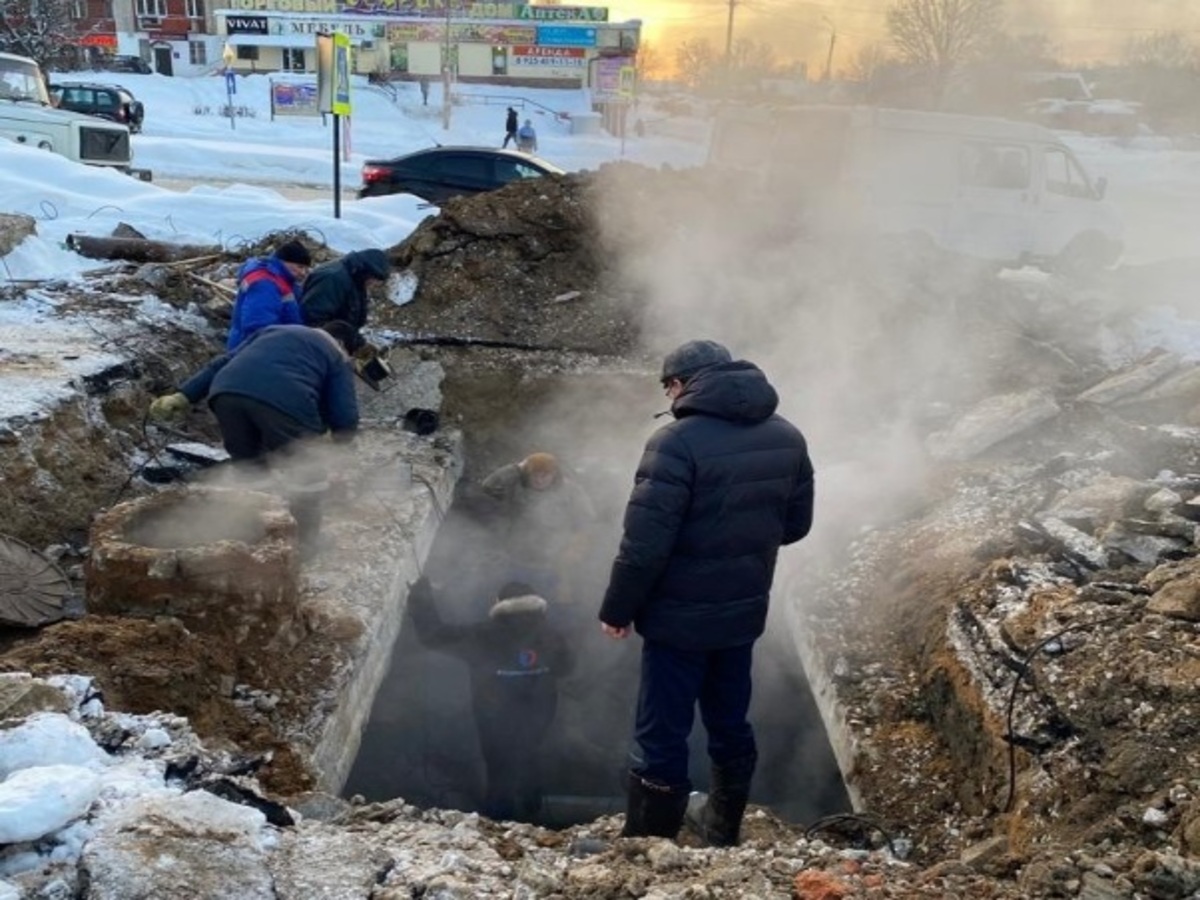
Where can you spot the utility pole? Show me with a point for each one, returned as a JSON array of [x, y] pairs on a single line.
[[446, 72], [832, 42], [729, 38]]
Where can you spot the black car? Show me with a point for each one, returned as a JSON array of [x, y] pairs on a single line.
[[440, 173], [108, 101], [124, 64]]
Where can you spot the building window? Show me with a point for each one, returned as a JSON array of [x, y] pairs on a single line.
[[247, 52], [151, 9], [293, 60], [195, 9], [499, 61], [78, 9], [197, 53]]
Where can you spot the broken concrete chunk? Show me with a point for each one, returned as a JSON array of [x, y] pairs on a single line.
[[14, 228], [1179, 599], [1163, 500], [1075, 544], [1183, 384], [1148, 549], [1129, 383], [1103, 501], [990, 422]]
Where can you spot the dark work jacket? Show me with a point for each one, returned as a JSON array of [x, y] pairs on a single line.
[[510, 122], [297, 370], [716, 494], [338, 289], [515, 660]]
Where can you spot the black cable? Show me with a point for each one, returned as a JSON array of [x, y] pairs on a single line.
[[1026, 670], [860, 819]]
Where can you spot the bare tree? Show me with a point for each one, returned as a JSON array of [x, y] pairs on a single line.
[[649, 63], [940, 35], [1161, 50], [868, 62], [41, 29], [696, 61]]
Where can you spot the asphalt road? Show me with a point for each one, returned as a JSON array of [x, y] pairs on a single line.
[[290, 191]]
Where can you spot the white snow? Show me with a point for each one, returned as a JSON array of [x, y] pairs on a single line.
[[37, 801], [48, 739]]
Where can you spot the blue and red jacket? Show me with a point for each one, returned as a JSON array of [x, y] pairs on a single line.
[[267, 295]]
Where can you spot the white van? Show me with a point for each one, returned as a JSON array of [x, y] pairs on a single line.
[[992, 189], [27, 117]]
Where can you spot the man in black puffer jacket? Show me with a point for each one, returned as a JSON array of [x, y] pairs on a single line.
[[716, 494], [337, 290]]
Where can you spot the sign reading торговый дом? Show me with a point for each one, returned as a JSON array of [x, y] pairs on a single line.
[[481, 10]]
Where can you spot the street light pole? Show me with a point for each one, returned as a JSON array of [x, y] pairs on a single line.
[[446, 72], [832, 42]]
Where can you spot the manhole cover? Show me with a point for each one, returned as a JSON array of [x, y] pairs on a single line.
[[33, 590]]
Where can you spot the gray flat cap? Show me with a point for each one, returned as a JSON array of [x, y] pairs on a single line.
[[688, 359]]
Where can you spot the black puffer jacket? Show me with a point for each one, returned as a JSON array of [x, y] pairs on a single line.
[[337, 290], [716, 494]]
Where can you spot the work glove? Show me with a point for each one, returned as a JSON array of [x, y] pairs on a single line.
[[169, 406]]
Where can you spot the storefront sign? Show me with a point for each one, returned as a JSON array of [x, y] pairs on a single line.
[[565, 36], [357, 30], [461, 32], [563, 13], [246, 25], [549, 57], [98, 40], [309, 6]]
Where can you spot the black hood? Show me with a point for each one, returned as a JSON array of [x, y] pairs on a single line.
[[737, 391], [364, 264]]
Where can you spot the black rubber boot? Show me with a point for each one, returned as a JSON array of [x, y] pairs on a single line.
[[654, 810], [717, 816]]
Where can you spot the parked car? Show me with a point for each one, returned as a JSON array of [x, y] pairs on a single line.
[[133, 64], [108, 101], [439, 173]]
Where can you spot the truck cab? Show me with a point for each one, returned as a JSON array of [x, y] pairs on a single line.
[[28, 117], [991, 189]]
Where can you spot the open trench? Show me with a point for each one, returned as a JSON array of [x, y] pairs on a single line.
[[420, 742]]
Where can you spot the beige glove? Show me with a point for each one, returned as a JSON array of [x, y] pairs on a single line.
[[169, 406]]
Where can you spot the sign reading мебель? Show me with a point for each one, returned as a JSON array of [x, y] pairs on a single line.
[[565, 36], [479, 10], [568, 62], [357, 31]]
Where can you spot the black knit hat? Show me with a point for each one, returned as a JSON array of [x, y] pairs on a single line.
[[294, 252], [687, 359]]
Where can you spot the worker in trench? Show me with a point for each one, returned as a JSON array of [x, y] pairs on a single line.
[[541, 519], [516, 660], [717, 492], [273, 397]]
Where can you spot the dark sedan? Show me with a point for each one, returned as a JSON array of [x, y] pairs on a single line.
[[440, 173], [108, 101]]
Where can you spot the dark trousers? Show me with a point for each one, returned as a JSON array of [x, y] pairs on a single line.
[[512, 747], [673, 682], [509, 136], [250, 429]]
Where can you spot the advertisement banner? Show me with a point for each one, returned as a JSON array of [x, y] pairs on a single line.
[[246, 25], [565, 36], [291, 99], [550, 60], [341, 75], [607, 86]]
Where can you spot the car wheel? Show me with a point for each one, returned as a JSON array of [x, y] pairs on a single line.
[[1086, 255]]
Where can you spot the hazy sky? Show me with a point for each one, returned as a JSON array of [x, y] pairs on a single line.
[[1083, 30]]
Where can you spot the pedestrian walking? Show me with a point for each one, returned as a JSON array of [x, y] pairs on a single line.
[[717, 492], [510, 128], [424, 83]]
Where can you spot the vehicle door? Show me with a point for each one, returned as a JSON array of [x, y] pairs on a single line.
[[509, 170], [76, 99], [992, 214], [1069, 204], [106, 104]]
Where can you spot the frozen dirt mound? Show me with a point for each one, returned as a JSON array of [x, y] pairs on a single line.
[[535, 263]]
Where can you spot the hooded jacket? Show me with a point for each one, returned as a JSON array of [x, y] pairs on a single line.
[[338, 289], [717, 492], [299, 371], [267, 295], [515, 659]]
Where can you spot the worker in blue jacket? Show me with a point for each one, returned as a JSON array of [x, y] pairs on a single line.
[[286, 383], [269, 292]]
